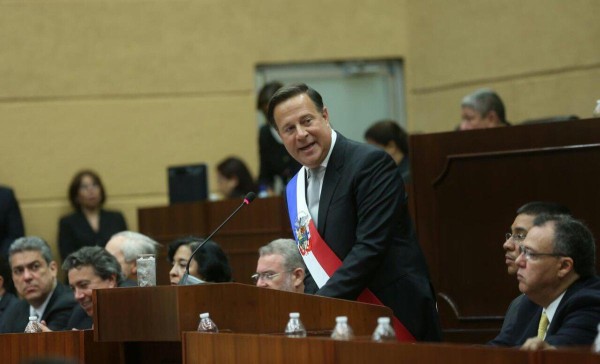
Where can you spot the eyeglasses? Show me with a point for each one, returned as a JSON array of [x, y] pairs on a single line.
[[516, 237], [529, 255], [267, 276]]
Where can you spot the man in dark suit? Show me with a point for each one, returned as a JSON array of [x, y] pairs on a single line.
[[34, 275], [351, 222], [556, 272], [11, 223], [7, 288]]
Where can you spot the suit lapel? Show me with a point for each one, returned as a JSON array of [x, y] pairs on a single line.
[[331, 180]]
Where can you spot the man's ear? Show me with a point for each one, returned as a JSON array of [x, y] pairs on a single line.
[[53, 268], [493, 118], [298, 275], [566, 266], [112, 281], [134, 267]]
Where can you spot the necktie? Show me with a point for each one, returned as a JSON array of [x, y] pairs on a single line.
[[543, 326], [314, 192]]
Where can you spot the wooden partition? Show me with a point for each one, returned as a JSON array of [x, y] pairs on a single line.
[[467, 187], [162, 313], [255, 225], [78, 346]]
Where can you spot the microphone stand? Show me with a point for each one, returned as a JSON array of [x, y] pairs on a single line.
[[188, 279]]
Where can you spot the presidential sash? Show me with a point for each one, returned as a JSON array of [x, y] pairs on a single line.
[[320, 260]]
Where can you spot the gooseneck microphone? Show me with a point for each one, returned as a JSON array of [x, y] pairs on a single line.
[[187, 279]]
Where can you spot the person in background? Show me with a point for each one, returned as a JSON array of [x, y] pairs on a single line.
[[89, 224], [557, 273], [481, 110], [34, 275], [275, 162], [89, 268], [210, 264], [234, 179], [518, 231], [11, 222], [7, 287], [126, 246], [391, 137], [280, 266]]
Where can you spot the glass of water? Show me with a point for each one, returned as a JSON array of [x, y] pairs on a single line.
[[146, 270]]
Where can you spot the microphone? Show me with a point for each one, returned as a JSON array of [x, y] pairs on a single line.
[[188, 279]]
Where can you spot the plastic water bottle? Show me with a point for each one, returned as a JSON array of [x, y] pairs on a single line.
[[32, 325], [596, 345], [294, 327], [383, 331], [342, 331], [206, 324]]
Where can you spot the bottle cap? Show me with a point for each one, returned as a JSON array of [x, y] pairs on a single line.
[[341, 319], [383, 320], [32, 318], [294, 314], [204, 315]]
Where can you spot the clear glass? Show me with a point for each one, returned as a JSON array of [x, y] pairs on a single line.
[[206, 324], [146, 270], [383, 331], [32, 325], [342, 331], [294, 327]]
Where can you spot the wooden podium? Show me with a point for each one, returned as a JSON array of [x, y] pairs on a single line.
[[255, 225], [467, 187]]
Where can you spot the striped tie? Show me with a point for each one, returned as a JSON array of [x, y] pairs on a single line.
[[543, 326]]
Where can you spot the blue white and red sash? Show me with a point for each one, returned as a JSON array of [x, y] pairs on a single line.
[[320, 260]]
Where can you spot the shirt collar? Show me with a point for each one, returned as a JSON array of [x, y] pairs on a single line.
[[39, 311], [551, 309]]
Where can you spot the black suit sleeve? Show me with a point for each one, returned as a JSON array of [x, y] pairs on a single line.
[[12, 221], [376, 192], [67, 243]]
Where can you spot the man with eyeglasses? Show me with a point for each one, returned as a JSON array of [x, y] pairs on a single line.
[[556, 273], [280, 266], [34, 274], [518, 231]]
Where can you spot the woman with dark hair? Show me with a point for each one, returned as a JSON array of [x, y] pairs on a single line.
[[89, 224], [390, 136], [234, 179], [210, 263]]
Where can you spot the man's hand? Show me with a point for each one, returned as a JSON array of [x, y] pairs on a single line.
[[534, 343], [44, 326]]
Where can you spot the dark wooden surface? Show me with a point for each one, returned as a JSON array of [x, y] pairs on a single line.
[[199, 348], [78, 346], [155, 314], [255, 225], [467, 187]]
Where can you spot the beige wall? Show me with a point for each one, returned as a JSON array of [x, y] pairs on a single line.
[[130, 87]]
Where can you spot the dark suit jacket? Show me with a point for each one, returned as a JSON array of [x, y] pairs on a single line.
[[56, 315], [79, 320], [75, 232], [363, 217], [575, 321], [11, 222], [7, 301]]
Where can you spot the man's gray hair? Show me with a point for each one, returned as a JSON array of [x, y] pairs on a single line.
[[136, 244], [483, 101], [102, 262], [31, 243], [287, 249]]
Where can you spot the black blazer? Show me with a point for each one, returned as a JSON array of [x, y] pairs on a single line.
[[6, 302], [11, 222], [79, 320], [75, 232], [363, 217], [56, 315], [575, 321]]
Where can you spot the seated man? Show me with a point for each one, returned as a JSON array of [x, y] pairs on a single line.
[[126, 246], [89, 268], [556, 272], [481, 110], [280, 266], [34, 275], [518, 230]]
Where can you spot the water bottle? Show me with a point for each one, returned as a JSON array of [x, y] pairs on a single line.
[[206, 324], [596, 111], [596, 345], [32, 325], [383, 331], [294, 327], [342, 331]]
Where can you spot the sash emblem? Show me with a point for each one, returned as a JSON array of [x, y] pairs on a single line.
[[303, 233]]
